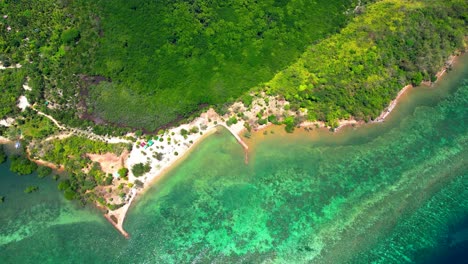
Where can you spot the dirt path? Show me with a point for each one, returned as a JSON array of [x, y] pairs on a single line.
[[51, 118], [88, 134]]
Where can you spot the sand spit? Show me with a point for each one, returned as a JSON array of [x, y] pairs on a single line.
[[170, 147]]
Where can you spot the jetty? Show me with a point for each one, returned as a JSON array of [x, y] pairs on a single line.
[[241, 142]]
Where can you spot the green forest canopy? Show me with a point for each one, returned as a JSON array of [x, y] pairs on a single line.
[[147, 63], [358, 72], [166, 59]]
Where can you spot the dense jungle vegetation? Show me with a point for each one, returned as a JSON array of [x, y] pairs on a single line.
[[166, 59], [148, 63], [358, 72], [145, 64]]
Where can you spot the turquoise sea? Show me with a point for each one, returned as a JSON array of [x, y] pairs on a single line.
[[395, 192]]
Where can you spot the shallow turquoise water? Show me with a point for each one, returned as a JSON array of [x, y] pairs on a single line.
[[388, 193]]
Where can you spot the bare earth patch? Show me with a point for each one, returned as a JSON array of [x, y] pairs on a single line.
[[110, 162]]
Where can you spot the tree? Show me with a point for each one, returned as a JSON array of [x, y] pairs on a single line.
[[69, 194], [417, 79], [140, 169], [123, 172], [183, 132], [194, 130], [290, 124]]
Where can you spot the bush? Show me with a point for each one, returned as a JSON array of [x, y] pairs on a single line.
[[273, 119], [232, 120], [290, 124], [123, 172], [262, 121], [31, 189], [247, 126], [159, 156], [139, 184], [108, 180], [194, 130], [114, 207]]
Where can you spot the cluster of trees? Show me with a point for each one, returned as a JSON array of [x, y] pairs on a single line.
[[357, 72], [22, 165]]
